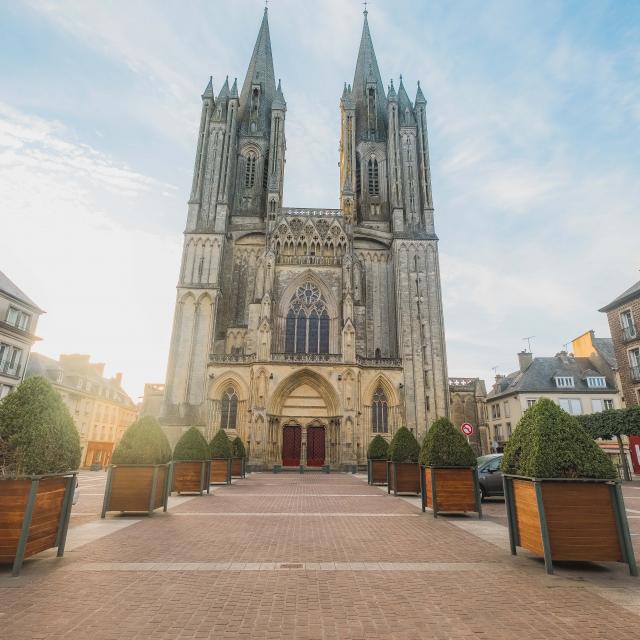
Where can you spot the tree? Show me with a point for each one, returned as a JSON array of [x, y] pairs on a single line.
[[37, 433], [220, 446], [378, 448], [192, 446], [445, 446], [614, 423], [549, 443], [404, 447], [144, 442], [238, 448]]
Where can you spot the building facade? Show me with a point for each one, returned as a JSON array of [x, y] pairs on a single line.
[[580, 385], [100, 408], [305, 330], [623, 315], [467, 404], [18, 321]]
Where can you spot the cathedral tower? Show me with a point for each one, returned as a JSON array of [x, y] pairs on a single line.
[[305, 330]]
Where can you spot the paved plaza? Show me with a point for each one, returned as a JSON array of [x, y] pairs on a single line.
[[308, 556]]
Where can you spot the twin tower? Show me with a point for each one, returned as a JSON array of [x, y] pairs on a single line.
[[307, 331]]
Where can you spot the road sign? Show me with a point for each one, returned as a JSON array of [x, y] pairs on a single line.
[[467, 429]]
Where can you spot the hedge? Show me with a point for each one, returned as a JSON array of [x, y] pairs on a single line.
[[549, 443], [404, 447], [37, 433], [220, 446], [612, 423], [444, 445], [238, 449], [144, 442], [191, 446], [378, 448]]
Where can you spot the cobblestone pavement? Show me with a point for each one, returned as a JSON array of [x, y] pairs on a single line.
[[306, 556]]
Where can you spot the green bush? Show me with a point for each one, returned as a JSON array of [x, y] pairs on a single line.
[[220, 446], [404, 447], [612, 423], [191, 446], [237, 447], [144, 442], [378, 448], [37, 433], [549, 443], [444, 445]]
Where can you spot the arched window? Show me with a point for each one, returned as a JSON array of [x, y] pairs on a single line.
[[229, 409], [380, 412], [250, 171], [307, 323], [358, 178], [374, 181]]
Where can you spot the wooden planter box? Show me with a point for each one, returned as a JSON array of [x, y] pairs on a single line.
[[568, 520], [220, 471], [34, 516], [237, 467], [403, 477], [190, 476], [450, 489], [377, 471], [136, 488]]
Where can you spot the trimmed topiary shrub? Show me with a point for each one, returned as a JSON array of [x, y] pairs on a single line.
[[220, 446], [37, 433], [404, 447], [378, 448], [191, 446], [445, 446], [237, 447], [144, 442], [549, 443]]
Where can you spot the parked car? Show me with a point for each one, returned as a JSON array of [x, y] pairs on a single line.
[[490, 476]]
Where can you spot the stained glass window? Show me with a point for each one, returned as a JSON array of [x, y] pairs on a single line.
[[307, 322], [379, 412], [229, 409]]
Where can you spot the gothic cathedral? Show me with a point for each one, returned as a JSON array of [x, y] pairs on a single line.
[[307, 331]]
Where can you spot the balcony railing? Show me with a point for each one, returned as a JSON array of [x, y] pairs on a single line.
[[301, 211], [317, 261], [379, 363], [635, 373], [238, 358], [9, 369], [307, 357], [629, 333]]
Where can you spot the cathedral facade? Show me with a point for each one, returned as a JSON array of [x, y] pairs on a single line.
[[307, 331]]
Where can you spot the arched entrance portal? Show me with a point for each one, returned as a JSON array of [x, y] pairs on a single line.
[[305, 419]]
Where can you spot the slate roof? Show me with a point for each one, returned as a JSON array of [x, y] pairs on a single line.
[[631, 293], [539, 377], [8, 287], [604, 346]]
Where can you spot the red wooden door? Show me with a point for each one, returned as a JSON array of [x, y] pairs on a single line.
[[291, 440], [315, 446]]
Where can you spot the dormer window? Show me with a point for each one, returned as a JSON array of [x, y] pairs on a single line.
[[564, 382], [596, 382]]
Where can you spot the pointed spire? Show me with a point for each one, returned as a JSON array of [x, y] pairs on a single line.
[[405, 108], [260, 72], [391, 93], [279, 101], [366, 75], [420, 99], [234, 89], [208, 92], [224, 92]]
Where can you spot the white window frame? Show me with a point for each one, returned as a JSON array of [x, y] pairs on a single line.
[[565, 382], [627, 323], [596, 382], [570, 405], [531, 402]]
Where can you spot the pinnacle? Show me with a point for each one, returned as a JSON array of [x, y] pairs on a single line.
[[208, 92], [224, 92], [234, 88], [420, 99]]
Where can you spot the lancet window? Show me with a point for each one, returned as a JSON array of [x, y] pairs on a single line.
[[380, 412], [374, 181], [229, 409], [250, 171], [307, 324]]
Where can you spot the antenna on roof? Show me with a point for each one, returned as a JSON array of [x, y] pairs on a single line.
[[528, 340], [495, 370]]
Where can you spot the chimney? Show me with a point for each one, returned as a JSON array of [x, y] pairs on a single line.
[[118, 378], [525, 358]]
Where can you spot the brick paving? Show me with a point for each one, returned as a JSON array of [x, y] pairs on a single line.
[[305, 556]]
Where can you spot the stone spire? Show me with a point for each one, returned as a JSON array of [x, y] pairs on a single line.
[[234, 89], [367, 77], [420, 99], [279, 102], [260, 76], [208, 92], [224, 91], [405, 108]]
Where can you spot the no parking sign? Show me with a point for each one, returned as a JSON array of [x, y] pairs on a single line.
[[467, 429]]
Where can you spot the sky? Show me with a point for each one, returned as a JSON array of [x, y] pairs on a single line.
[[534, 131]]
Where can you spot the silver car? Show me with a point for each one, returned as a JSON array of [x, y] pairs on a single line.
[[490, 476]]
